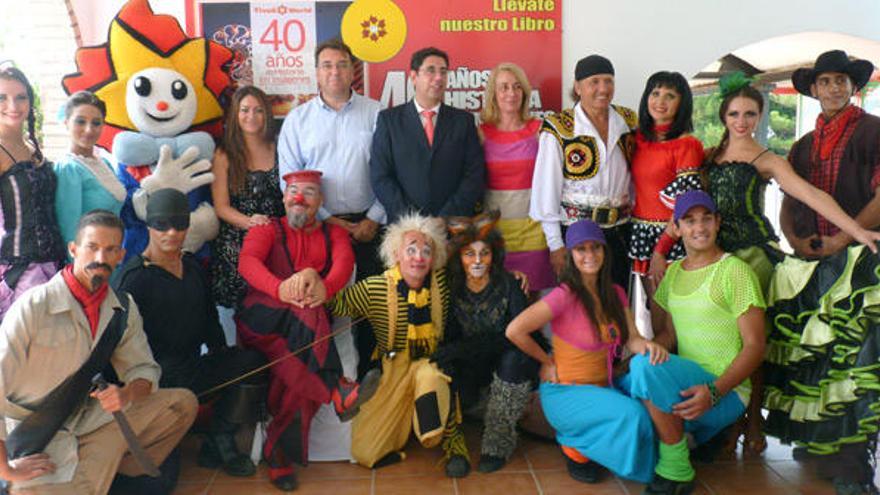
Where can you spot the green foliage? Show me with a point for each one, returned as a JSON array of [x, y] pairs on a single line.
[[783, 115], [38, 114], [783, 109], [707, 128]]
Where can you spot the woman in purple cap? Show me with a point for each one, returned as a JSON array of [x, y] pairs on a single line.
[[595, 422]]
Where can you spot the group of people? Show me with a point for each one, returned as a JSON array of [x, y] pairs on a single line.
[[478, 264]]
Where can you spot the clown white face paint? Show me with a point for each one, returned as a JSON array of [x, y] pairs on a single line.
[[160, 102], [476, 258], [414, 257]]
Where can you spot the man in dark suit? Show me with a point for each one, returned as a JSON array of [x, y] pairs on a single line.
[[426, 155]]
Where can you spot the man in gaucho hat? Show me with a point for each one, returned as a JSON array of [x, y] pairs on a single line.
[[824, 343]]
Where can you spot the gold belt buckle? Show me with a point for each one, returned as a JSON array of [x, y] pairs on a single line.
[[613, 214]]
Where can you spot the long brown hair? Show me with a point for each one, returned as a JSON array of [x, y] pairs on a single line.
[[233, 137], [746, 92], [608, 297], [11, 73]]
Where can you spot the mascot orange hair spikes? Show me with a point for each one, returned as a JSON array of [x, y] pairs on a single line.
[[162, 90], [139, 39]]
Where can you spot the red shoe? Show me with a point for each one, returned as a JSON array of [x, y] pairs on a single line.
[[348, 397]]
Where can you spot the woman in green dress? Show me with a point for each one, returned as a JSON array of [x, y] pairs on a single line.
[[738, 171]]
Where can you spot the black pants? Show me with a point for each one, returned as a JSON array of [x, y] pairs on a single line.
[[211, 370], [474, 371], [618, 246]]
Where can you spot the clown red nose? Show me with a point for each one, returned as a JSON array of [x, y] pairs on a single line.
[[302, 177]]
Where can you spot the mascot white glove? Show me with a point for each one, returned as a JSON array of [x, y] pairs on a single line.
[[183, 173], [203, 227]]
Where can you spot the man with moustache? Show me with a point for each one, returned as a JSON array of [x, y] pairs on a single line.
[[332, 133], [819, 368], [173, 296], [292, 265], [53, 339], [426, 155], [582, 166]]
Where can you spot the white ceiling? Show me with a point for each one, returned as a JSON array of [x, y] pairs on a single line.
[[777, 57]]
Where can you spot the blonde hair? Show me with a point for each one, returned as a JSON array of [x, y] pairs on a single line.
[[430, 227], [491, 114]]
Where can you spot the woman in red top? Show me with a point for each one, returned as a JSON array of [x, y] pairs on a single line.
[[666, 163]]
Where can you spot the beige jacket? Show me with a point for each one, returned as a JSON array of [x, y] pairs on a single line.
[[44, 338]]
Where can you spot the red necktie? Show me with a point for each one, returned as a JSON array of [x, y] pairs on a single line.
[[429, 125]]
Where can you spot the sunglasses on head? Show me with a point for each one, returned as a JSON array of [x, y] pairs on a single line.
[[164, 224]]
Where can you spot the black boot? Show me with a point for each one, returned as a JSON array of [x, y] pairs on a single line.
[[147, 485], [223, 449], [844, 487], [585, 472], [662, 486]]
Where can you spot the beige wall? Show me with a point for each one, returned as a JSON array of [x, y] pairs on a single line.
[[53, 57], [43, 63]]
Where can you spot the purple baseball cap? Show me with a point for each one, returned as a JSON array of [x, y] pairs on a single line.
[[685, 201], [581, 231]]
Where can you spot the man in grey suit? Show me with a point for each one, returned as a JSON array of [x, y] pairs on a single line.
[[426, 155]]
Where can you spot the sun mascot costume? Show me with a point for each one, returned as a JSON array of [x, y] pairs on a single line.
[[162, 90]]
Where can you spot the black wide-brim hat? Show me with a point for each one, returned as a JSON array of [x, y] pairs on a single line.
[[859, 71]]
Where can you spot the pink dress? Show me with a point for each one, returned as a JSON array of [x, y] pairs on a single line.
[[510, 163]]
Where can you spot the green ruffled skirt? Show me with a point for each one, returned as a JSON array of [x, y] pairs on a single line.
[[822, 370]]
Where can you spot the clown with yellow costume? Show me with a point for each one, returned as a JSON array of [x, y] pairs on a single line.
[[407, 306], [162, 93]]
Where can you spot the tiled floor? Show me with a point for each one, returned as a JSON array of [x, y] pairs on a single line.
[[536, 468]]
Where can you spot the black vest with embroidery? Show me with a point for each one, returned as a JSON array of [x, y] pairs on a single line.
[[580, 153]]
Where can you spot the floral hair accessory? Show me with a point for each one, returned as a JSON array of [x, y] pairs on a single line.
[[732, 82]]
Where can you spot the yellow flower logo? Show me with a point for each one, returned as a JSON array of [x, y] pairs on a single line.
[[374, 29]]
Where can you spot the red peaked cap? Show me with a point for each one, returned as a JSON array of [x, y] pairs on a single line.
[[312, 176]]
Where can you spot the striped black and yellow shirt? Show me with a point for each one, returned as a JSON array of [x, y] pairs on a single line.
[[369, 298]]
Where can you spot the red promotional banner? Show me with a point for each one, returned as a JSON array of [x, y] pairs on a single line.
[[477, 35]]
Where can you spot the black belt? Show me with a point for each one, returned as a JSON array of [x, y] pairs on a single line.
[[602, 215], [352, 217]]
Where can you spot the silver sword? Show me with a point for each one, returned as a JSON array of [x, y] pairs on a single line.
[[134, 445]]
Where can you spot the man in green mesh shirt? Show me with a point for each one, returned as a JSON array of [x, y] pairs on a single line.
[[716, 319]]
